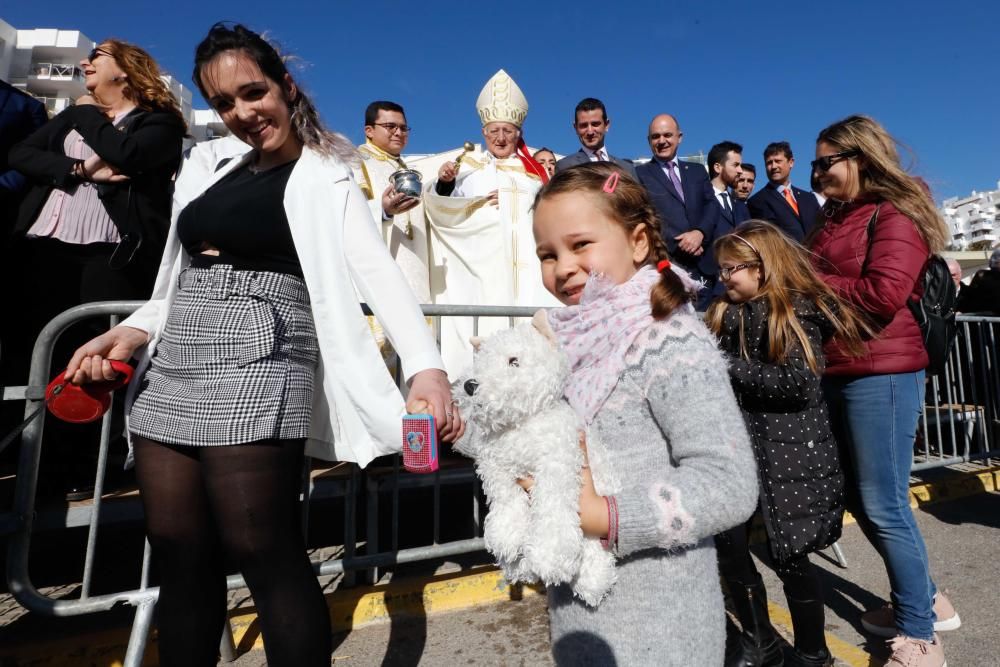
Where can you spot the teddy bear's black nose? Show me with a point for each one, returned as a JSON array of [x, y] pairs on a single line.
[[470, 387]]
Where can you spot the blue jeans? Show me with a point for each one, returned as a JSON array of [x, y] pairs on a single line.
[[875, 420]]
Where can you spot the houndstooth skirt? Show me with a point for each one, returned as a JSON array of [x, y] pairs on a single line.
[[235, 363]]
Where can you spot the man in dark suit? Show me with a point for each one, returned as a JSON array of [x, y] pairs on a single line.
[[591, 123], [744, 184], [792, 209], [725, 168], [982, 294], [681, 193], [20, 115]]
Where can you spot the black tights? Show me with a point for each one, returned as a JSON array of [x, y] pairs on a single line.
[[798, 575], [204, 504]]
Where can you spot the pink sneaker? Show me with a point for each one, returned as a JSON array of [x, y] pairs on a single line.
[[910, 652], [882, 622]]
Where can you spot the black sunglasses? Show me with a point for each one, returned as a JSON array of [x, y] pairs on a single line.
[[96, 53], [823, 164]]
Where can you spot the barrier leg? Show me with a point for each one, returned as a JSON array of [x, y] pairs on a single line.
[[140, 633], [371, 536], [350, 525], [227, 646], [838, 553]]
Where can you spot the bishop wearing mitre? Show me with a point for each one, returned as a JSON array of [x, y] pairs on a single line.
[[482, 250]]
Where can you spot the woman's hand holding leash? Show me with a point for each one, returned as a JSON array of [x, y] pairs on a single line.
[[91, 362]]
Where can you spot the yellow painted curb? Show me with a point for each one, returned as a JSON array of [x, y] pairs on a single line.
[[355, 607], [352, 608], [949, 488], [844, 652], [349, 608]]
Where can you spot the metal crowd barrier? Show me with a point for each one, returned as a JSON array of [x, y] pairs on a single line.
[[961, 422], [961, 416], [20, 522]]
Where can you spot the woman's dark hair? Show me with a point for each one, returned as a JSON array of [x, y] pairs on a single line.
[[305, 120], [629, 206]]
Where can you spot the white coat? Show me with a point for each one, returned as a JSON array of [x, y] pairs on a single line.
[[356, 405]]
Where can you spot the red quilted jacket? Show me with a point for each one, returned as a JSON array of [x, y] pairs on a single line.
[[879, 286]]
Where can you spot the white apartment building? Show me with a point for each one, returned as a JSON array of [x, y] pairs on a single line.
[[974, 220], [45, 63]]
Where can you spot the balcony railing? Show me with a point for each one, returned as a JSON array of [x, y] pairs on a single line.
[[981, 225], [57, 72]]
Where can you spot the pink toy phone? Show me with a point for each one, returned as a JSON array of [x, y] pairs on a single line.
[[420, 444]]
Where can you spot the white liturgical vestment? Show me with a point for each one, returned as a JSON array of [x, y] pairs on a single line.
[[404, 234], [481, 253]]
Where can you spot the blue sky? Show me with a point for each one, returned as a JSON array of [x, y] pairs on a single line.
[[728, 70]]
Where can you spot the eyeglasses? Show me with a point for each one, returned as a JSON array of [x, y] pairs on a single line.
[[97, 53], [823, 164], [726, 272], [392, 127], [497, 131]]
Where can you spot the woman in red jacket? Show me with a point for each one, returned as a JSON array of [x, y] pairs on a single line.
[[875, 400]]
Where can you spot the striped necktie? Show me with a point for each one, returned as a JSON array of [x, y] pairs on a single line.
[[675, 180]]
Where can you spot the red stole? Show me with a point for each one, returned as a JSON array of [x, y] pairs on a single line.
[[530, 164]]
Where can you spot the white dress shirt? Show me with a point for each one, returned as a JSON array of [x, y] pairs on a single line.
[[601, 154]]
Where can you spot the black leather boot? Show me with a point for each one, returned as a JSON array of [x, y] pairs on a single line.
[[758, 645]]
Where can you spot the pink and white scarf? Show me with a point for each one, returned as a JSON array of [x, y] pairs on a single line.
[[597, 333]]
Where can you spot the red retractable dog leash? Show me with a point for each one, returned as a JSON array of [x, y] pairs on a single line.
[[76, 403]]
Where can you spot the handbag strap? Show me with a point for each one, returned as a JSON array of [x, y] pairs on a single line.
[[870, 229]]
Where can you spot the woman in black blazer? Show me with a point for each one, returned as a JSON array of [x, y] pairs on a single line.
[[94, 221], [131, 132]]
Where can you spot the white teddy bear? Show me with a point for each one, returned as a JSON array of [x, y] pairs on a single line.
[[519, 426]]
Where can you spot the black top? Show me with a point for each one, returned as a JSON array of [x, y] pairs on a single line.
[[243, 216]]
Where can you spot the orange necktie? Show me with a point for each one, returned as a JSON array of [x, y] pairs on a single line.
[[790, 198]]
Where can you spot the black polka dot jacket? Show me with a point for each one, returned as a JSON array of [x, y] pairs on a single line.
[[801, 483]]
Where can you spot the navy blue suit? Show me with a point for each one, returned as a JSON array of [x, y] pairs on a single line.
[[20, 115], [770, 205], [580, 157], [696, 211], [709, 268]]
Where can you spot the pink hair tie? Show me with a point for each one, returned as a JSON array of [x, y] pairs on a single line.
[[611, 183], [663, 265]]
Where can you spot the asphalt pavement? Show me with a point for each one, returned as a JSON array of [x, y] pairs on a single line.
[[962, 538]]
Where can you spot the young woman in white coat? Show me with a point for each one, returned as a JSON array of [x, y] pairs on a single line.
[[253, 352]]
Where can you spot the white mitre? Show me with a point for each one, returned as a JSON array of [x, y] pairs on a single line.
[[501, 100]]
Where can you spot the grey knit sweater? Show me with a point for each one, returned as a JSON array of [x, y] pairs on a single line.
[[670, 448]]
